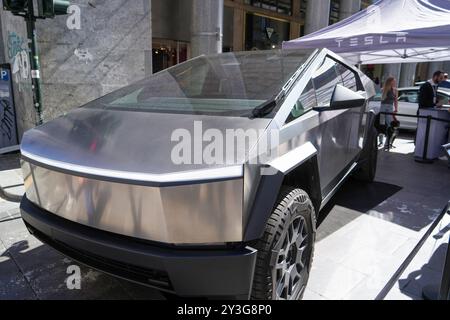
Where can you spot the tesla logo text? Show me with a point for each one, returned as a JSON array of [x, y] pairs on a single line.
[[371, 40]]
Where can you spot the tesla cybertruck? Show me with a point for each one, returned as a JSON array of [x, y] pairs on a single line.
[[109, 186]]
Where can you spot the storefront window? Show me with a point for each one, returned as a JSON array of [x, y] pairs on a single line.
[[335, 8], [263, 33], [167, 53], [280, 6]]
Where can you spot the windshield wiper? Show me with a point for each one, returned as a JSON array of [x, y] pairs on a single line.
[[264, 109], [267, 107]]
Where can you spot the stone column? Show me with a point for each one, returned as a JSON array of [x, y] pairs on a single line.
[[392, 69], [349, 7], [317, 15], [446, 67], [206, 27], [408, 75], [433, 67]]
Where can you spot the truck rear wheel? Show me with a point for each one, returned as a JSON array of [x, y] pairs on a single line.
[[285, 251], [368, 169]]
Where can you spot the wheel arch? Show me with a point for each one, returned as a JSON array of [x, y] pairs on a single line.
[[297, 168], [370, 133]]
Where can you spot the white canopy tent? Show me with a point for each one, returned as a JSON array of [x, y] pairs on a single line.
[[389, 31]]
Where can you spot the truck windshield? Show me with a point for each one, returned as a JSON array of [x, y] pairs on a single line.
[[223, 84]]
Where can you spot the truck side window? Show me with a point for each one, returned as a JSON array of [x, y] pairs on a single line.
[[325, 80], [348, 77], [305, 102]]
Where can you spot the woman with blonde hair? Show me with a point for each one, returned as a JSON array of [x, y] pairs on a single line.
[[389, 104]]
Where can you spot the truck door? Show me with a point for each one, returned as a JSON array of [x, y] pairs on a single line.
[[335, 127]]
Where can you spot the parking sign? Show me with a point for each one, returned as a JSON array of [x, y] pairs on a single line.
[[8, 124]]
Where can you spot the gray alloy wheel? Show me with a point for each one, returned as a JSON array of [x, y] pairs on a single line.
[[291, 261], [286, 249]]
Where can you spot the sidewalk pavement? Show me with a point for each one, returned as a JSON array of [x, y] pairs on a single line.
[[11, 179]]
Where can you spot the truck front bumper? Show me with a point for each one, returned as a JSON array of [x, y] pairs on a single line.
[[190, 272]]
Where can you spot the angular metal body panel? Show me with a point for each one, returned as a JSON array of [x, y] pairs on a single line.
[[128, 142], [198, 213]]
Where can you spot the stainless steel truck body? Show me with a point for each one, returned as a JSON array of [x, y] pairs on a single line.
[[103, 188]]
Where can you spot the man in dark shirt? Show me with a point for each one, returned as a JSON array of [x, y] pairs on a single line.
[[428, 91]]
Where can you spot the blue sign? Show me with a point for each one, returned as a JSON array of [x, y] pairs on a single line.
[[4, 74]]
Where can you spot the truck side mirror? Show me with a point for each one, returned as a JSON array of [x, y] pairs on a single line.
[[343, 98]]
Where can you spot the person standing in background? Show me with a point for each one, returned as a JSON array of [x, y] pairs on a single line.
[[428, 91], [389, 104]]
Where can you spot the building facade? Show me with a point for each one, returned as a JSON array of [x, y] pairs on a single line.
[[97, 48]]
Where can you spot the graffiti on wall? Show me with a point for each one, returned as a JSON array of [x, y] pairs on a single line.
[[18, 56], [7, 121], [8, 132]]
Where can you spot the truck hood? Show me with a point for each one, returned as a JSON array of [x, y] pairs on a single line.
[[128, 144]]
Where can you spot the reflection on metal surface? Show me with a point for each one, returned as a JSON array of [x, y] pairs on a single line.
[[230, 172], [295, 157], [90, 139], [335, 189], [194, 214]]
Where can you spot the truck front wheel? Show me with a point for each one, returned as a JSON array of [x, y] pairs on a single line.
[[286, 249]]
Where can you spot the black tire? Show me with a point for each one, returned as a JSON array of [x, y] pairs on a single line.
[[368, 169], [293, 208]]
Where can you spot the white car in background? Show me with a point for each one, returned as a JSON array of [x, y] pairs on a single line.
[[408, 103]]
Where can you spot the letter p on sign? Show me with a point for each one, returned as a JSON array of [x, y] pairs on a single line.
[[4, 75]]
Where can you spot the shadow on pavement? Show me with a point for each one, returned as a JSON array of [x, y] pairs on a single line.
[[360, 196], [36, 271], [429, 274], [354, 199]]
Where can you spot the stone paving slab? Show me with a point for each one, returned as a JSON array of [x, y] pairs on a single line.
[[11, 179], [427, 266]]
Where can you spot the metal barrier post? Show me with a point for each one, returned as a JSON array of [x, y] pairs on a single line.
[[427, 137]]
